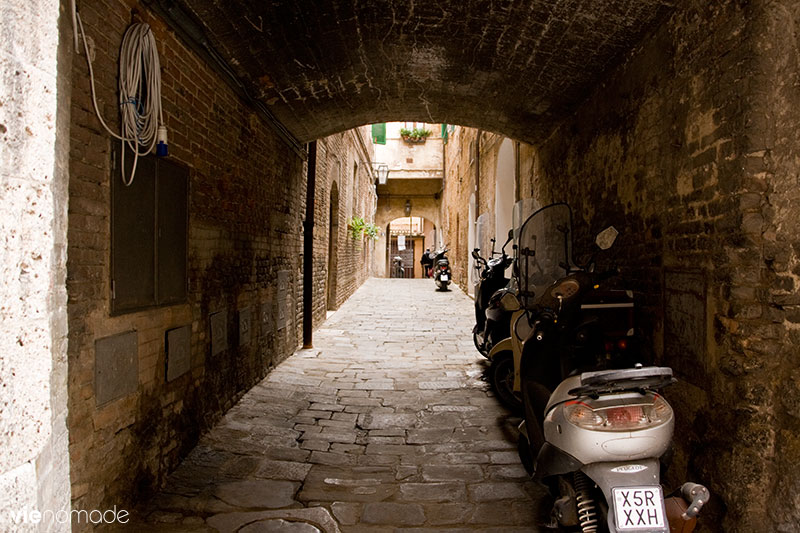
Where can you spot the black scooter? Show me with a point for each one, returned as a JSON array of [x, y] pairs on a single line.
[[441, 270], [491, 322]]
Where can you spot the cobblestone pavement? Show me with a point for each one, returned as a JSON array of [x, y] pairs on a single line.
[[386, 425]]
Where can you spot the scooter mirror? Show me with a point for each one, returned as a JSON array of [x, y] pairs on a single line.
[[605, 239], [508, 240], [475, 253]]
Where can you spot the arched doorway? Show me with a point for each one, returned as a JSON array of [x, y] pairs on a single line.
[[333, 246], [504, 191]]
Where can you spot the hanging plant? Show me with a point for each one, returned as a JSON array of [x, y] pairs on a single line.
[[356, 227], [371, 231]]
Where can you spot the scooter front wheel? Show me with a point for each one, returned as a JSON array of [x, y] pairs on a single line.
[[524, 452], [478, 341]]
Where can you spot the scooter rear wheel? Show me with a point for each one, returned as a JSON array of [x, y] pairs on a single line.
[[502, 378]]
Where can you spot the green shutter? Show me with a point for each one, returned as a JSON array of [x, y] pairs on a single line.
[[444, 133], [379, 133]]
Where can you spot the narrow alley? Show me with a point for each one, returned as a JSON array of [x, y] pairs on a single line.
[[386, 423], [192, 189]]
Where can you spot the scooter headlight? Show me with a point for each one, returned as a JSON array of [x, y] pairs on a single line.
[[610, 415]]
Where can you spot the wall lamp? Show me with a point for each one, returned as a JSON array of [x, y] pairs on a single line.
[[408, 208], [382, 171]]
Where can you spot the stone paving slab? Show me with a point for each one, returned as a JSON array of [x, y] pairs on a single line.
[[386, 425]]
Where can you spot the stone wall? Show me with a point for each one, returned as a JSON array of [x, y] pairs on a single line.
[[34, 88], [247, 194]]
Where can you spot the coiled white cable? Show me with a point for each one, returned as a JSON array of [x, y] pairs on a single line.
[[139, 93]]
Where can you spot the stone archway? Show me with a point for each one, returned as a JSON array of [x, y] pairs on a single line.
[[393, 207], [387, 74]]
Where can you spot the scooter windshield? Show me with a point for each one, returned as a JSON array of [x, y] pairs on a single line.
[[521, 212], [545, 250]]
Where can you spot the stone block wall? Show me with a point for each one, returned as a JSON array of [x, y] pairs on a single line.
[[247, 194], [34, 88]]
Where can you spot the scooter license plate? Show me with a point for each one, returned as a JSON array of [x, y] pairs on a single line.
[[638, 508], [443, 277]]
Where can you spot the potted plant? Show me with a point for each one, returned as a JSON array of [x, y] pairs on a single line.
[[417, 135]]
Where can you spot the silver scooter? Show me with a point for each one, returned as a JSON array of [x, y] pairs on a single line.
[[595, 423]]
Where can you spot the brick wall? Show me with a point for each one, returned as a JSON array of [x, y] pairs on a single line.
[[688, 149], [338, 156], [466, 150], [246, 208], [678, 150], [766, 323]]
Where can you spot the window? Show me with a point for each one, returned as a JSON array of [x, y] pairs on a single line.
[[379, 133], [149, 221]]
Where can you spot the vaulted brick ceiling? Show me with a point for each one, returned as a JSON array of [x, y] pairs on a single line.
[[509, 66]]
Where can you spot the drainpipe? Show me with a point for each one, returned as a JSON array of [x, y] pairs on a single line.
[[308, 248]]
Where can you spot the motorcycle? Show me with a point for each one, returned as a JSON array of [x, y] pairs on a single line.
[[595, 425], [441, 270]]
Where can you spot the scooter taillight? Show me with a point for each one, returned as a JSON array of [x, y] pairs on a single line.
[[443, 267], [608, 415]]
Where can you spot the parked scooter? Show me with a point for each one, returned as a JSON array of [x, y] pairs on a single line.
[[491, 324], [441, 270], [595, 426], [397, 267], [505, 354]]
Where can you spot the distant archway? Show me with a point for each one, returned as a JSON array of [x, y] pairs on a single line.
[[333, 246], [408, 238]]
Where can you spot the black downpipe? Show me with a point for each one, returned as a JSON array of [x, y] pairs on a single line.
[[308, 248]]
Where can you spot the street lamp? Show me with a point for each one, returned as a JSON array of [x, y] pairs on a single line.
[[382, 171]]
